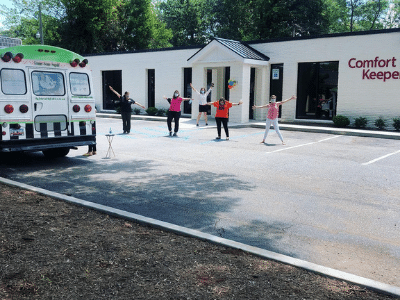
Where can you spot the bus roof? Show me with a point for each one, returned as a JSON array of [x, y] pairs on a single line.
[[43, 53]]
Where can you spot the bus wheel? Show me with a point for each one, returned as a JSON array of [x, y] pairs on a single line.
[[57, 152]]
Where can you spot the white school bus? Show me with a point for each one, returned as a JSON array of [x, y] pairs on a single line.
[[46, 100]]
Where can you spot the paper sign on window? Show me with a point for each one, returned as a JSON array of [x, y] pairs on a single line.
[[275, 74]]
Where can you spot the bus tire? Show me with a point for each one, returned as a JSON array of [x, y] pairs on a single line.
[[57, 152]]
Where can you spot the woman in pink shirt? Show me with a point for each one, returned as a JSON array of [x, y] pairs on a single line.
[[272, 116], [174, 112]]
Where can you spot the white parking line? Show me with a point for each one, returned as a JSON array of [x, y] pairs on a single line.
[[379, 158], [302, 145]]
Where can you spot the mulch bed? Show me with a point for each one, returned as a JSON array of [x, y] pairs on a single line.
[[54, 250]]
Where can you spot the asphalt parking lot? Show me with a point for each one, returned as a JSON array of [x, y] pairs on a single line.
[[329, 199]]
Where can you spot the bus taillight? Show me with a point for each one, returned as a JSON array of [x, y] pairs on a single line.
[[83, 63], [6, 57], [74, 63], [23, 108], [88, 108], [8, 108], [17, 58], [76, 108]]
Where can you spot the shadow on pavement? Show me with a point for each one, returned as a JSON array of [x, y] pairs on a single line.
[[191, 199]]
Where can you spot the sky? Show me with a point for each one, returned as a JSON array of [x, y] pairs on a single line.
[[7, 3]]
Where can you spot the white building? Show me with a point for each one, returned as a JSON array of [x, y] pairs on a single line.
[[6, 42], [352, 74]]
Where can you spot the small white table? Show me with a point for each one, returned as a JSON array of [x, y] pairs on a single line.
[[110, 150]]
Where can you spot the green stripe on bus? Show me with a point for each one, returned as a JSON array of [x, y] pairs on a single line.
[[44, 53]]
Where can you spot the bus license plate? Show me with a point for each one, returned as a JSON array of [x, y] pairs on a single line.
[[16, 132]]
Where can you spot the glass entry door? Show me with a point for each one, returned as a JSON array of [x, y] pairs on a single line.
[[317, 88]]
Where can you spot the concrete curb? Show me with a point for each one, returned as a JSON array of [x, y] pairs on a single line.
[[361, 281], [283, 126]]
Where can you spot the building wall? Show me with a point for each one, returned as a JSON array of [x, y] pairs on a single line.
[[168, 66], [6, 42], [357, 95]]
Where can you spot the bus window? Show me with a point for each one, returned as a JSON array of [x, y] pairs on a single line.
[[79, 84], [13, 82], [48, 83]]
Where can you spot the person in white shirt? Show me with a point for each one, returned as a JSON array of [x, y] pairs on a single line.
[[203, 107]]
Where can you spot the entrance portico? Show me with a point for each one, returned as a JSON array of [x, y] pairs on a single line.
[[231, 60]]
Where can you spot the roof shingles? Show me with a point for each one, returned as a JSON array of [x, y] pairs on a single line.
[[242, 49]]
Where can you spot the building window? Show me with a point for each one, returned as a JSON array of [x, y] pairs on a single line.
[[317, 86], [151, 88], [187, 90]]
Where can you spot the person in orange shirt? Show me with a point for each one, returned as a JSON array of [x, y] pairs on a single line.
[[222, 114]]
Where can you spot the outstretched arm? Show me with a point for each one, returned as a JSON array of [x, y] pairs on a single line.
[[193, 88], [261, 106], [291, 98], [114, 91], [236, 104], [209, 90], [138, 104]]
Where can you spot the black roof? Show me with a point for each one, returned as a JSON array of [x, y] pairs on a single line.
[[240, 48], [245, 50]]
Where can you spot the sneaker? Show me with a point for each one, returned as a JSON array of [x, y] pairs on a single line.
[[218, 138], [206, 124], [227, 138], [197, 125], [88, 154], [170, 133], [175, 134]]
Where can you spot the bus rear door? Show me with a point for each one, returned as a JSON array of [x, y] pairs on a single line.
[[50, 103]]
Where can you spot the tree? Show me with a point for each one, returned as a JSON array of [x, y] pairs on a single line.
[[22, 22], [140, 28], [87, 25], [358, 15], [392, 18], [233, 19], [290, 18], [187, 19]]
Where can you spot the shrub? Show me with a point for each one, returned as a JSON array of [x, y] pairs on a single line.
[[161, 112], [152, 111], [380, 123], [136, 111], [396, 123], [361, 122], [341, 121]]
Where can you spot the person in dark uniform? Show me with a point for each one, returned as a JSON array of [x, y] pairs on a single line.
[[126, 109]]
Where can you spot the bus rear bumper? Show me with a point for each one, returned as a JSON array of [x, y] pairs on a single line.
[[50, 143]]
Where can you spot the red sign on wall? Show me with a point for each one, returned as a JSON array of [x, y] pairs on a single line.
[[376, 63]]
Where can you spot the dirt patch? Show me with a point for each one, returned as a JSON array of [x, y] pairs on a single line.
[[54, 250]]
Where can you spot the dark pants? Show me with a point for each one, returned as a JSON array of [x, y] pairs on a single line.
[[126, 121], [175, 115], [224, 121], [92, 148]]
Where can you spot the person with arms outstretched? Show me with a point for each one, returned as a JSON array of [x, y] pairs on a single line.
[[272, 116], [202, 96], [126, 109], [174, 112], [222, 115]]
